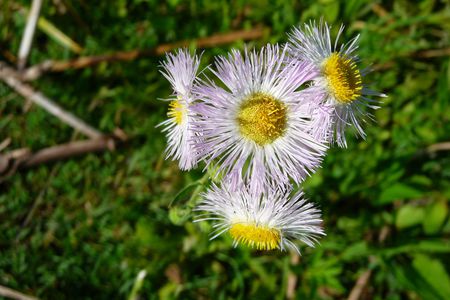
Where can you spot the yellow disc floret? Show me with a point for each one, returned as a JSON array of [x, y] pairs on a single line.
[[343, 78], [257, 236], [176, 111], [262, 118]]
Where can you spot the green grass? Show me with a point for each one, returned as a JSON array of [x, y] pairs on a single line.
[[102, 218]]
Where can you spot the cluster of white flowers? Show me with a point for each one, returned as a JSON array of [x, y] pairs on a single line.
[[264, 120]]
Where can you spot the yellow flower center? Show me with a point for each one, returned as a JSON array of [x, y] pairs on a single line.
[[258, 236], [343, 78], [176, 111], [262, 118]]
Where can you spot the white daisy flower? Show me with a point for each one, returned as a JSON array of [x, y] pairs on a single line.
[[256, 128], [180, 69], [340, 81], [265, 221]]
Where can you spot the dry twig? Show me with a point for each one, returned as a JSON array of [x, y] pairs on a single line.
[[28, 34], [12, 294], [381, 12], [363, 279], [292, 277], [5, 143], [23, 158], [360, 285], [432, 53], [429, 53], [445, 146], [36, 71], [11, 77]]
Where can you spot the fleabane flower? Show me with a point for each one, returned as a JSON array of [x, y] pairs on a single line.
[[255, 128], [266, 221], [344, 94], [180, 70]]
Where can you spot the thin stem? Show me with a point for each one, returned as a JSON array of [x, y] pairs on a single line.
[[198, 189]]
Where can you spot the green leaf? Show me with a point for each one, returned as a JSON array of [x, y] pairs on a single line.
[[257, 267], [331, 11], [440, 246], [398, 191], [433, 271], [409, 215], [168, 291], [410, 279], [185, 192], [145, 232], [179, 215], [431, 246], [355, 251], [59, 36], [435, 216], [137, 286]]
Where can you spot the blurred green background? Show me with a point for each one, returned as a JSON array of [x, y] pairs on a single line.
[[98, 220]]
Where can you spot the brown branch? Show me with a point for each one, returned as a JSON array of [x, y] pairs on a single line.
[[88, 61], [432, 53], [7, 54], [24, 158], [292, 277], [12, 294], [382, 13], [11, 77], [445, 146], [5, 143], [360, 285], [64, 151]]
